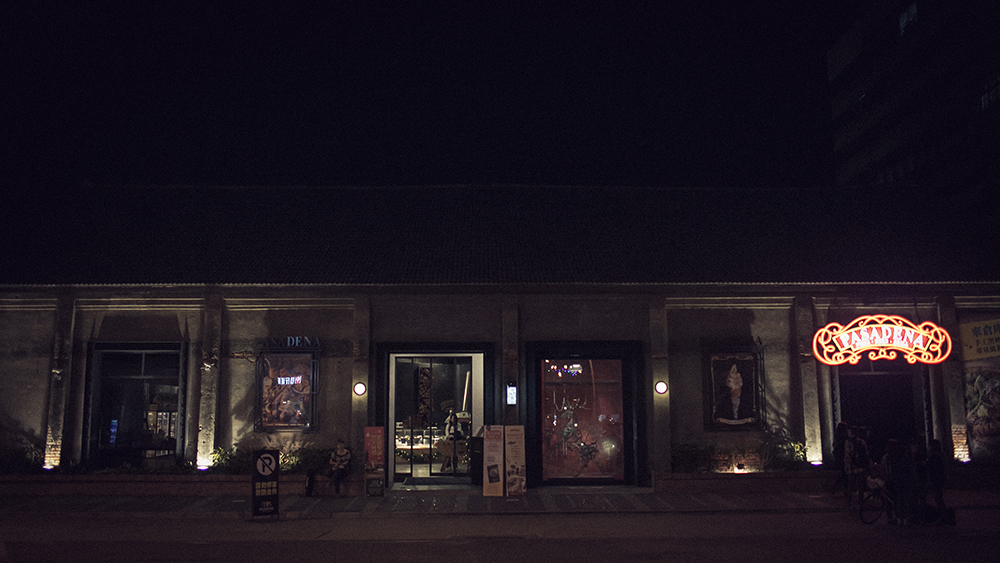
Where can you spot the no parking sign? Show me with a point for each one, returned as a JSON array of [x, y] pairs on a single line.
[[266, 470]]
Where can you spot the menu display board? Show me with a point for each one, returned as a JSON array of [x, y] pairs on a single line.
[[516, 474], [493, 446]]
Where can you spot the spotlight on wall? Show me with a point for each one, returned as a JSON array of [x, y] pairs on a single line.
[[661, 387], [360, 389]]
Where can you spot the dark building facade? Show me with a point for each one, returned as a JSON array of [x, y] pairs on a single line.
[[613, 383], [915, 91]]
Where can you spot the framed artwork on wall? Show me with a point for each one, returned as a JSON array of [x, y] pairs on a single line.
[[734, 389], [286, 390]]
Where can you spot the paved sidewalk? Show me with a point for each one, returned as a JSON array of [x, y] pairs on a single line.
[[555, 500]]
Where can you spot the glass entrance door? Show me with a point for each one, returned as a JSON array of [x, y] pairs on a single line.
[[136, 409], [436, 404]]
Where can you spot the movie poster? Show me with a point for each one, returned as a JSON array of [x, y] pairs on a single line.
[[286, 384]]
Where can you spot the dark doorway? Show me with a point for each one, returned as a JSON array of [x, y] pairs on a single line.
[[136, 406], [885, 400]]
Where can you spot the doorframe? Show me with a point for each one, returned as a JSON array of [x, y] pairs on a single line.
[[379, 414], [918, 377], [630, 353], [92, 392]]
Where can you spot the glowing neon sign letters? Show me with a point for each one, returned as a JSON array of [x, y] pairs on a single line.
[[882, 336]]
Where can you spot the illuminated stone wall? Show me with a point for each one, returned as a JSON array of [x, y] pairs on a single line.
[[27, 326]]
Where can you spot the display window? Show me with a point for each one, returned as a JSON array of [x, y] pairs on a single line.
[[582, 422]]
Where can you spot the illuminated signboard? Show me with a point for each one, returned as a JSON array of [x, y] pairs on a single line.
[[980, 339], [882, 336]]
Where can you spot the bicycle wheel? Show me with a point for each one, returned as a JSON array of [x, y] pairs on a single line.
[[872, 507]]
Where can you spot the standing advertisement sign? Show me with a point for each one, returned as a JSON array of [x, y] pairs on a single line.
[[374, 461], [514, 461], [264, 480], [493, 461]]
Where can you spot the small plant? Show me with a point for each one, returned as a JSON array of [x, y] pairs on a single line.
[[305, 460], [779, 452], [21, 460], [20, 451], [297, 454], [232, 461]]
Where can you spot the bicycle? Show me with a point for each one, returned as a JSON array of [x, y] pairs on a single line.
[[877, 499]]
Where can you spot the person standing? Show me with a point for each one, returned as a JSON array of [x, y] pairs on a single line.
[[839, 443], [857, 463], [936, 474], [901, 479]]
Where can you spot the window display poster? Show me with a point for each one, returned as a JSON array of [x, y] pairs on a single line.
[[374, 461], [514, 461], [492, 461]]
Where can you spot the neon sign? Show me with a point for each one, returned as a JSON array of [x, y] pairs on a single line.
[[882, 336]]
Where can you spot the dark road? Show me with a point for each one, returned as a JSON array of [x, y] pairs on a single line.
[[824, 537]]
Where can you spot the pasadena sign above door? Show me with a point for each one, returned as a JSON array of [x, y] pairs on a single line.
[[883, 337]]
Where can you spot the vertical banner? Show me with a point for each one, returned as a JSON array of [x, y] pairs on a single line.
[[492, 461], [514, 461], [374, 461], [264, 480]]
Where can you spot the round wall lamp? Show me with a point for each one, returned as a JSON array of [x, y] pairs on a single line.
[[660, 387], [360, 389]]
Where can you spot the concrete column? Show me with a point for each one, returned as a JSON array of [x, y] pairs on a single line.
[[658, 439], [60, 376], [360, 372], [189, 323], [210, 346], [812, 410], [824, 389], [948, 383], [510, 365]]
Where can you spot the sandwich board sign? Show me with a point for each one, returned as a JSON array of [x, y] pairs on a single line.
[[266, 470]]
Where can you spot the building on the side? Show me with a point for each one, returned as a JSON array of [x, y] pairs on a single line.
[[915, 89], [582, 323]]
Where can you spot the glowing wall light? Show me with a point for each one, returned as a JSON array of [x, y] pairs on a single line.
[[882, 336], [660, 387], [360, 389]]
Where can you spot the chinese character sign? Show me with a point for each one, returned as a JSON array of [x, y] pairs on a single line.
[[375, 447], [264, 480], [374, 461], [980, 340]]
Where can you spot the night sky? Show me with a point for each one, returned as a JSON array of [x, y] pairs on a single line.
[[730, 99], [710, 93]]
